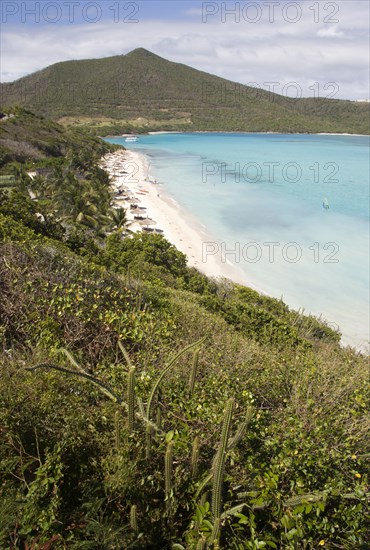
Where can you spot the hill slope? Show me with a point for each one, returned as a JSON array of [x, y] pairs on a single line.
[[141, 90], [98, 454], [25, 137]]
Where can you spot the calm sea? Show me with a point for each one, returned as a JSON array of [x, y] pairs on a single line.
[[291, 210]]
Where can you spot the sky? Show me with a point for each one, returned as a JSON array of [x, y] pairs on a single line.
[[302, 48]]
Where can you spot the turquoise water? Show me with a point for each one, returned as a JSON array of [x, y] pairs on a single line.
[[291, 210]]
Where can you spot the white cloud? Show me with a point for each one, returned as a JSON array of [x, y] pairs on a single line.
[[332, 32], [304, 52]]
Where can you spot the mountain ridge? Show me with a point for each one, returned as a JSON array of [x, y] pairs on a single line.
[[141, 91]]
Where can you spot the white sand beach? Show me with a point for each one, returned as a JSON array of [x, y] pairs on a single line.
[[129, 171]]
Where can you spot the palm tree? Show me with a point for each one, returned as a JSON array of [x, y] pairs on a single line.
[[77, 202], [119, 220], [46, 187]]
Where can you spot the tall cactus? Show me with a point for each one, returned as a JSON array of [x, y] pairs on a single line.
[[125, 354], [195, 457], [158, 420], [131, 399], [149, 437], [117, 416], [168, 476], [219, 463], [215, 534], [133, 518]]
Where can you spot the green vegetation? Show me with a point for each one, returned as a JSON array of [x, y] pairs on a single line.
[[141, 91], [36, 141], [146, 406]]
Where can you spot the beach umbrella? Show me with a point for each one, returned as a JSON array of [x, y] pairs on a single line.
[[138, 211], [147, 222]]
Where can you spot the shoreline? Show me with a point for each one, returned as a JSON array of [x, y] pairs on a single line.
[[178, 225], [161, 132]]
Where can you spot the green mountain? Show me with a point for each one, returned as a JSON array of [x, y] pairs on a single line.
[[141, 91]]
